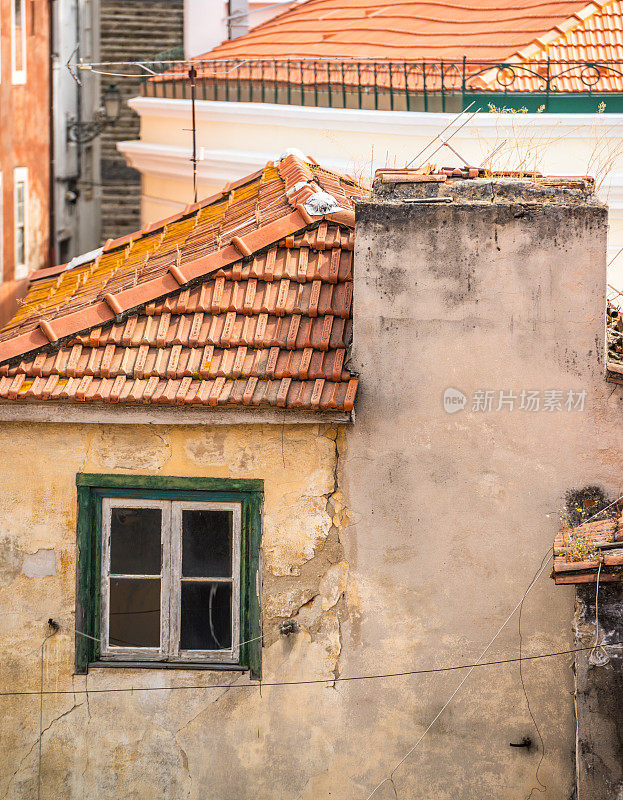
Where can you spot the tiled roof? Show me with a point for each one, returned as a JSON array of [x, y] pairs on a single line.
[[433, 30], [242, 299], [579, 551], [593, 34]]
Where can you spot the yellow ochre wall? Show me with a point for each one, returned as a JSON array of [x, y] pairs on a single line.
[[155, 744]]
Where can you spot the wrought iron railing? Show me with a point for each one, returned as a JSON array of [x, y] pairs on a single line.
[[389, 85]]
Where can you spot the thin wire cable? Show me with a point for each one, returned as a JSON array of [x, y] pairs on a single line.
[[390, 778], [142, 65], [311, 681], [614, 258], [49, 636], [532, 717], [95, 639], [544, 562], [602, 659]]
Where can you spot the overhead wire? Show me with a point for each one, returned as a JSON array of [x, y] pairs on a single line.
[[311, 681], [390, 777], [43, 644], [603, 658], [544, 562], [541, 786]]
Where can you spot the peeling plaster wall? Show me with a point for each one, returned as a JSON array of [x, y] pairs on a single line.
[[223, 743], [452, 514]]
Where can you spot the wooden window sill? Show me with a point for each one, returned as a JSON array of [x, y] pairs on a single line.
[[187, 665]]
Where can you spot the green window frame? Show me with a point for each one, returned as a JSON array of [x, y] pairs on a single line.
[[92, 489]]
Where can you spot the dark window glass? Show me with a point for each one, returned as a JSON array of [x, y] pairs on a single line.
[[206, 544], [134, 612], [206, 616], [135, 543], [17, 34]]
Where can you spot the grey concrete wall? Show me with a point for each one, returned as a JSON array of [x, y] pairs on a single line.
[[501, 289]]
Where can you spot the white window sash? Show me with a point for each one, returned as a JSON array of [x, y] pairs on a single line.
[[20, 221], [171, 584], [19, 71], [232, 654], [131, 653]]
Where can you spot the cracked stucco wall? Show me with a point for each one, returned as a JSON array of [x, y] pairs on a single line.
[[454, 512], [242, 743]]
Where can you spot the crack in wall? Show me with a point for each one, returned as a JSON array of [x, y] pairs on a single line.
[[36, 743]]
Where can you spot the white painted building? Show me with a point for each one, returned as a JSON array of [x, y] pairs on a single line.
[[236, 138]]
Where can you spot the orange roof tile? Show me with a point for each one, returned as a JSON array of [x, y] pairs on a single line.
[[579, 551], [593, 34], [243, 299], [482, 30]]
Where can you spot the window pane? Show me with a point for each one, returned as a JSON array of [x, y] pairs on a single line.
[[135, 545], [17, 35], [20, 252], [19, 203], [134, 612], [206, 616], [206, 544]]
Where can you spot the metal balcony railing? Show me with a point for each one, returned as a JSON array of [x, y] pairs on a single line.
[[394, 85]]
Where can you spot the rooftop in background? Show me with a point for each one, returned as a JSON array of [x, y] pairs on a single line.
[[243, 299], [420, 55], [432, 30]]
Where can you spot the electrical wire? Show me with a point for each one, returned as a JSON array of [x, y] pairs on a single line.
[[603, 658], [390, 777], [544, 562], [311, 681], [95, 639], [143, 65], [41, 693], [541, 787]]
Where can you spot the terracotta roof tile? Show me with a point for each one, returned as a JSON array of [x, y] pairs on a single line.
[[322, 42], [592, 34], [402, 29], [262, 313], [579, 551]]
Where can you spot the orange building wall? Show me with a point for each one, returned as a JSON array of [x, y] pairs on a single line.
[[25, 142]]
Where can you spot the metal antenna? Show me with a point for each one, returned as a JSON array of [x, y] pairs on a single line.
[[492, 153], [441, 133], [192, 74], [458, 155], [444, 143]]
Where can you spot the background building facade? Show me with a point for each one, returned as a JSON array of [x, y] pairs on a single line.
[[25, 141]]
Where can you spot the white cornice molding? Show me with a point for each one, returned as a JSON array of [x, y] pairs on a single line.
[[395, 122], [214, 166], [221, 166]]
